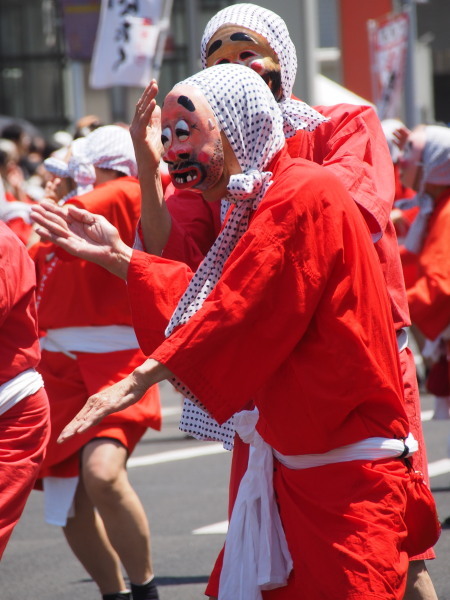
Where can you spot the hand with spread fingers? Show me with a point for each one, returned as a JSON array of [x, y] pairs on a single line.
[[145, 131], [117, 397], [83, 234], [145, 128], [400, 136]]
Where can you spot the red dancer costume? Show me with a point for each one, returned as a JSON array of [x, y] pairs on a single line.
[[76, 294], [352, 145], [24, 412]]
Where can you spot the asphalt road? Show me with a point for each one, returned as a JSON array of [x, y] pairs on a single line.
[[183, 485]]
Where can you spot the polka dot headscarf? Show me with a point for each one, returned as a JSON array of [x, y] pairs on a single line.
[[250, 118], [297, 115]]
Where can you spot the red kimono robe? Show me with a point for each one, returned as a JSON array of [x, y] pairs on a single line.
[[300, 325], [352, 145], [76, 293], [429, 297], [25, 425]]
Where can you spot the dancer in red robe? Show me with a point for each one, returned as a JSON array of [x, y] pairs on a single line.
[[24, 411], [88, 344], [288, 312], [349, 142]]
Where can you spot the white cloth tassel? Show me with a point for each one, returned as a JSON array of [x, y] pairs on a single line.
[[256, 553]]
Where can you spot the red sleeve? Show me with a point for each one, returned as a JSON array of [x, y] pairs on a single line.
[[195, 225], [118, 201], [21, 229], [155, 285], [429, 298], [352, 145], [271, 284], [410, 266], [19, 346], [78, 293], [300, 305]]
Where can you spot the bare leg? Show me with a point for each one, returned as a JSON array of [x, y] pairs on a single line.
[[87, 538], [419, 585], [107, 484]]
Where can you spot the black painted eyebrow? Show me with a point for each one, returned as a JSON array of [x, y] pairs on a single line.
[[215, 46], [187, 103], [240, 36]]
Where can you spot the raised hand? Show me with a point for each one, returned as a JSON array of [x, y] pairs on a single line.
[[400, 136], [83, 234], [145, 129]]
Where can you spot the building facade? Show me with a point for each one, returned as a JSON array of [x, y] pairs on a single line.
[[46, 45]]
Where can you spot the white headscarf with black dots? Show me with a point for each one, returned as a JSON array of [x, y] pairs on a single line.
[[297, 115], [250, 118]]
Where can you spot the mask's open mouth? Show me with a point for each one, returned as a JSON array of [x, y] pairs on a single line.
[[187, 177]]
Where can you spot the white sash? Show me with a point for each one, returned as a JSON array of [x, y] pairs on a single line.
[[256, 554], [97, 340], [13, 391]]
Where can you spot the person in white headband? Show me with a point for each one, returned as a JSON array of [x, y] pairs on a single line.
[[24, 410], [73, 174], [347, 140], [425, 166], [89, 341], [288, 283]]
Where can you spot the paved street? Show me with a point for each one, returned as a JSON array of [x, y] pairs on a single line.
[[183, 484]]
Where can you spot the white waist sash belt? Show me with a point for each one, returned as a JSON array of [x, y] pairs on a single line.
[[256, 554], [19, 387], [97, 340], [402, 338]]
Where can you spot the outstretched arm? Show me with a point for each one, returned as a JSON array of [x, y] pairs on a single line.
[[117, 397], [145, 130], [83, 234]]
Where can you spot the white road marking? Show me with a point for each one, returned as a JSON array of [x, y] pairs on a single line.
[[215, 528], [436, 468], [427, 415], [169, 411], [162, 457], [439, 467]]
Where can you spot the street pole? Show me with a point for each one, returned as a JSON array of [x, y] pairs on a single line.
[[307, 71], [77, 89], [193, 41], [411, 111]]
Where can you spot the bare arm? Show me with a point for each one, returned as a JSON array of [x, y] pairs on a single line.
[[117, 397], [83, 234], [400, 136], [145, 132]]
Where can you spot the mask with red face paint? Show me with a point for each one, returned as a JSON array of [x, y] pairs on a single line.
[[238, 45], [258, 38], [191, 140]]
